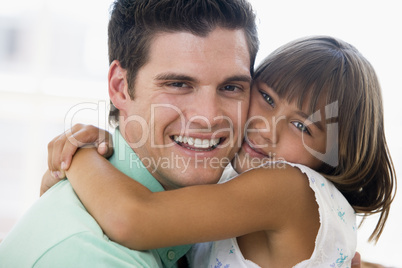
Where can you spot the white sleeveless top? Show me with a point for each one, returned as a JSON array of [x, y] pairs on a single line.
[[335, 243]]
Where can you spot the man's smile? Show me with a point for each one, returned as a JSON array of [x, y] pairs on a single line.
[[197, 144]]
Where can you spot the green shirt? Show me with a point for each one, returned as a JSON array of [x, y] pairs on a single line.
[[57, 231]]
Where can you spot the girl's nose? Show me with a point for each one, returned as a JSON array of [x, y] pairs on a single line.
[[268, 128]]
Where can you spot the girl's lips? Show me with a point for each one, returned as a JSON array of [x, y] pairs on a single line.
[[248, 148]]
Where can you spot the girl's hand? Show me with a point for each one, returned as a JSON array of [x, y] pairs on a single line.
[[47, 182], [62, 148]]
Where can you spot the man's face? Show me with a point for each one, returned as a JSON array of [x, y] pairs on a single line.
[[190, 105]]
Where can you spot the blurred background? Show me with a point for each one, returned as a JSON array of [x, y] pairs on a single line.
[[53, 73]]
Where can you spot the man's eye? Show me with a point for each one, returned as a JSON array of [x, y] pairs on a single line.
[[301, 127], [230, 88], [268, 98], [178, 84]]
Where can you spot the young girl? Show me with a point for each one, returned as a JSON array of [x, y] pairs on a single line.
[[315, 106]]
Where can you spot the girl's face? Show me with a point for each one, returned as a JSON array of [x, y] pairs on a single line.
[[279, 130]]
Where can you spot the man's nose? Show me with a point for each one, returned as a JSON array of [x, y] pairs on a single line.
[[206, 110]]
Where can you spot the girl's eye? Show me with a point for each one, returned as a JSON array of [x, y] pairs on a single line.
[[268, 98], [301, 127]]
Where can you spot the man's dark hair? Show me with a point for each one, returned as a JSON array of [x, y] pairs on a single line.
[[134, 23]]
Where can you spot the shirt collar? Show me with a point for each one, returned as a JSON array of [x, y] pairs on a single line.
[[127, 161]]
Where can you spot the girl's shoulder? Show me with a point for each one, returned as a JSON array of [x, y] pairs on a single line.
[[337, 236]]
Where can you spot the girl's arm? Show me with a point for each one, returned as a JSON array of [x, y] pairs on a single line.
[[130, 214]]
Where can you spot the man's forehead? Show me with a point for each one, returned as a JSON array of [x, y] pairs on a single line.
[[220, 39], [223, 50]]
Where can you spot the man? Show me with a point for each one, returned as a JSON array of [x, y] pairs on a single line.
[[179, 78]]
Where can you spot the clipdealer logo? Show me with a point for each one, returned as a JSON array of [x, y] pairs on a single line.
[[100, 110]]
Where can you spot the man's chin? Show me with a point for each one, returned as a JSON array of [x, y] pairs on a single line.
[[194, 177]]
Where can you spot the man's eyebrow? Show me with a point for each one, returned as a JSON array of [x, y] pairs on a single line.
[[173, 76], [239, 78], [183, 77], [317, 123]]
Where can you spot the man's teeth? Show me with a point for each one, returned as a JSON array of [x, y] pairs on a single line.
[[197, 143]]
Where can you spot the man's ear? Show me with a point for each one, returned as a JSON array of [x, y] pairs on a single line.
[[118, 87]]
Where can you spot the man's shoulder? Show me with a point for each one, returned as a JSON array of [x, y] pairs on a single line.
[[60, 210], [53, 218], [91, 250], [57, 231], [84, 249]]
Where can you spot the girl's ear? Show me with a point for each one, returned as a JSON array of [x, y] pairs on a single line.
[[118, 88]]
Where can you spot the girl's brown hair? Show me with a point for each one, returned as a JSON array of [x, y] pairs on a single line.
[[313, 68]]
